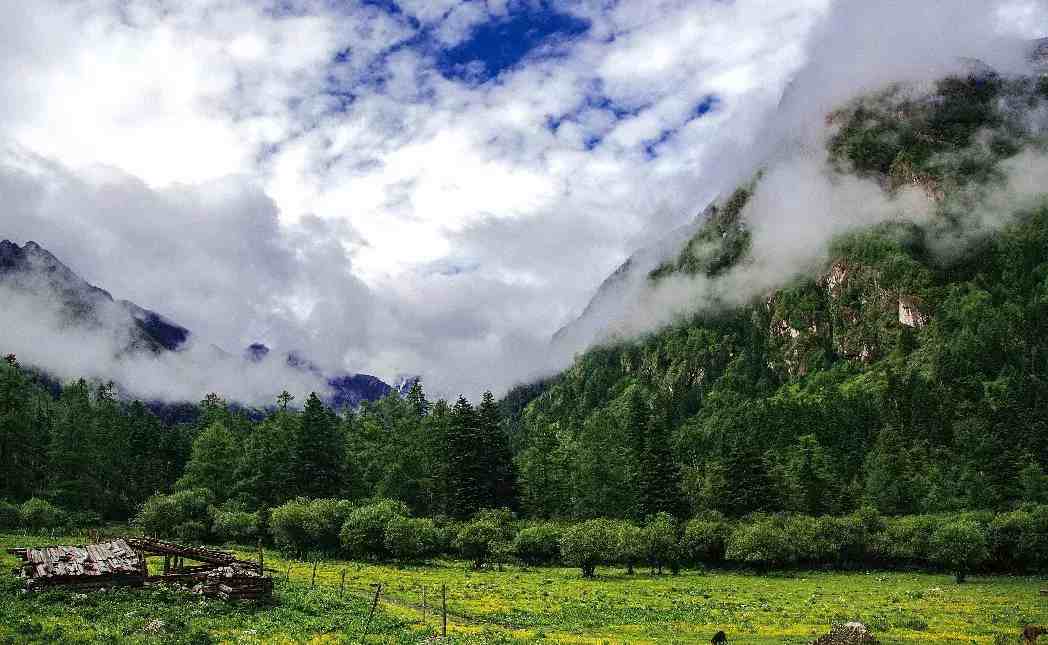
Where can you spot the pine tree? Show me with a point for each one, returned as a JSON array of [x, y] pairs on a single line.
[[465, 466], [437, 429], [73, 450], [810, 479], [659, 475], [750, 485], [889, 474], [417, 400], [213, 461], [500, 483], [265, 474], [637, 422], [320, 451]]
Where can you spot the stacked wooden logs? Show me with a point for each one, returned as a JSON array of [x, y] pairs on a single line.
[[236, 583]]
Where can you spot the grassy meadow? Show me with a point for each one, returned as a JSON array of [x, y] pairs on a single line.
[[543, 604]]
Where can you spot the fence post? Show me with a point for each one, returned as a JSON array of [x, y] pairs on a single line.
[[342, 585], [287, 579], [313, 582], [371, 614], [261, 558], [424, 621], [444, 609]]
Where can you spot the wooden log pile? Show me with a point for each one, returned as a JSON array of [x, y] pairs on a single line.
[[235, 583], [122, 562], [92, 565], [153, 546]]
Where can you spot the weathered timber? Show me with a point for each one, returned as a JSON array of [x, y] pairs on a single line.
[[122, 562]]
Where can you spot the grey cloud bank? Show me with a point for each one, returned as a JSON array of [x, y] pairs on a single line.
[[429, 226]]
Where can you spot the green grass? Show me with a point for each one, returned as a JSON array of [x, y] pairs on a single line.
[[552, 604]]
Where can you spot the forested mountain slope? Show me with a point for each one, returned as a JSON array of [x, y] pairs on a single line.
[[908, 371]]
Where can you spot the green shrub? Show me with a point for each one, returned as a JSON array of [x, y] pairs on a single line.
[[324, 519], [839, 541], [234, 525], [762, 543], [477, 541], [303, 526], [410, 539], [704, 541], [287, 525], [81, 520], [630, 547], [661, 542], [959, 546], [802, 532], [191, 531], [588, 544], [537, 545], [906, 540], [363, 533], [161, 514], [38, 514], [1019, 539], [10, 515]]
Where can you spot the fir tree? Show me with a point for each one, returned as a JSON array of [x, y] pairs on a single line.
[[637, 422], [465, 465], [659, 475], [213, 461], [319, 451], [500, 482]]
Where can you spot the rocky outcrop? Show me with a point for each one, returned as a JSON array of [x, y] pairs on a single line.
[[847, 634], [910, 313], [1039, 55], [31, 269], [902, 174]]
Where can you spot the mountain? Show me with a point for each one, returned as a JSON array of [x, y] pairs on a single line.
[[31, 269], [618, 289], [904, 367], [34, 272]]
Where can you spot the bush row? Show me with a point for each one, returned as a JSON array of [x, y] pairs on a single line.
[[383, 530], [41, 515], [190, 515]]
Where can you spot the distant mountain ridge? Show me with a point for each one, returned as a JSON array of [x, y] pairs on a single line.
[[33, 270]]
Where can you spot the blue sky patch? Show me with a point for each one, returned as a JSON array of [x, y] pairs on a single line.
[[503, 42], [701, 109]]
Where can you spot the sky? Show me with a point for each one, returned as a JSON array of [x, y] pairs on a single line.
[[427, 187]]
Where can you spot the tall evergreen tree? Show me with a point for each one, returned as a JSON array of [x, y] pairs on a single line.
[[499, 486], [73, 451], [638, 419], [437, 429], [319, 451], [23, 440], [265, 474], [465, 461], [659, 476], [213, 462]]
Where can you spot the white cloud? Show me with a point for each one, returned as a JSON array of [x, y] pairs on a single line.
[[300, 172]]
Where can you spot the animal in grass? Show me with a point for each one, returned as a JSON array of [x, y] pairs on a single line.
[[1032, 632], [847, 634], [720, 638]]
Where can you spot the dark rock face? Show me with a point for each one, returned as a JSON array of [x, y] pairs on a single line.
[[255, 352], [32, 270], [350, 390]]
